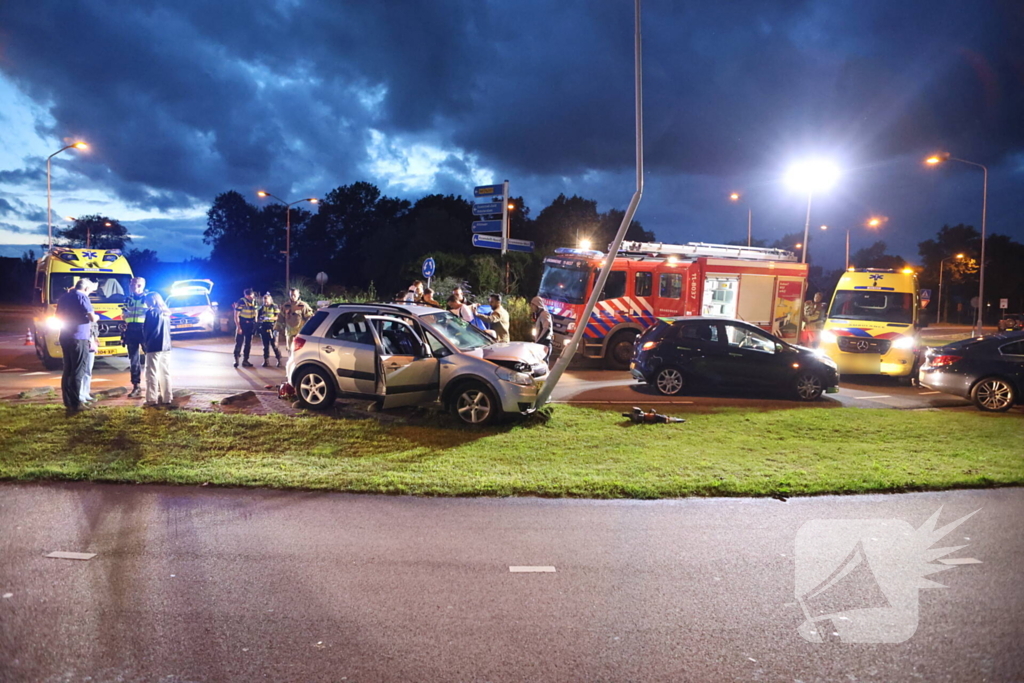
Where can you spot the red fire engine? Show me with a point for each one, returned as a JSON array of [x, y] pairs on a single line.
[[764, 287]]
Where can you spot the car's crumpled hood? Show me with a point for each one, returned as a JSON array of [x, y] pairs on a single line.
[[523, 352]]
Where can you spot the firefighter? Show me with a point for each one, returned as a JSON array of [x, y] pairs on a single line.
[[266, 321], [294, 314], [245, 325], [135, 308]]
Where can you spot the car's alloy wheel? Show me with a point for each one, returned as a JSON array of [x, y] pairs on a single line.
[[808, 386], [993, 394], [315, 390], [475, 405], [669, 381]]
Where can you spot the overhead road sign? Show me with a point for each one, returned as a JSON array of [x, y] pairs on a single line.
[[487, 226], [492, 242], [489, 190], [488, 208]]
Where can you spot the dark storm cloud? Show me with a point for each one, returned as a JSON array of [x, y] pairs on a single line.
[[23, 230], [13, 207], [187, 99], [22, 176]]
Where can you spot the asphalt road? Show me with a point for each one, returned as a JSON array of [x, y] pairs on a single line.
[[202, 363], [193, 584]]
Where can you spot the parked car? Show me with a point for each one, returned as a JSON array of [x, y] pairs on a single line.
[[405, 354], [988, 370], [676, 354], [191, 308], [1011, 321]]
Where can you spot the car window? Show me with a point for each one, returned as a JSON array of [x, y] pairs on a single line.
[[743, 338], [352, 328], [1013, 349], [642, 283], [698, 331], [436, 347], [457, 331], [670, 285], [314, 323], [398, 339]]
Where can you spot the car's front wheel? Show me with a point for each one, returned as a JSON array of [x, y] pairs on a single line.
[[474, 403], [315, 389], [993, 394], [669, 381], [808, 386]]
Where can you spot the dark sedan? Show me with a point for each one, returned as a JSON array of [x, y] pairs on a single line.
[[988, 370], [679, 353]]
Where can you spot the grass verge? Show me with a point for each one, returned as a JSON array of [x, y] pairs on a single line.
[[576, 452]]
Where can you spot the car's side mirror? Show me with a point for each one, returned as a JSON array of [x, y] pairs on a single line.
[[779, 348]]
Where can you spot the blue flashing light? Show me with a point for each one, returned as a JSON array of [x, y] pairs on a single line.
[[589, 253]]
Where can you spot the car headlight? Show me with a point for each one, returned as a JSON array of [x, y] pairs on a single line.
[[514, 377], [904, 343], [206, 318], [54, 323], [828, 337]]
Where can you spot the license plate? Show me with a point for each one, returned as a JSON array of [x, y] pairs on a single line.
[[108, 352]]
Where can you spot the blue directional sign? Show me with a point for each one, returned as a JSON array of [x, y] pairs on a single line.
[[487, 209], [488, 190], [492, 242], [428, 268], [487, 226]]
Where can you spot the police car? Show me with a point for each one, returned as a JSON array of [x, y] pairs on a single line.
[[191, 308]]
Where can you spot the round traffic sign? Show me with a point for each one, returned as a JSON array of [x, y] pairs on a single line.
[[321, 278], [428, 268]]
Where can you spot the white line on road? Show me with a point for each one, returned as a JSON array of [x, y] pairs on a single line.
[[523, 570], [62, 555], [99, 379], [30, 374], [961, 560], [13, 370], [627, 402], [864, 398], [928, 393]]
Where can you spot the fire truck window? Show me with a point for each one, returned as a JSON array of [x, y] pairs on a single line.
[[616, 285], [642, 283], [670, 285]]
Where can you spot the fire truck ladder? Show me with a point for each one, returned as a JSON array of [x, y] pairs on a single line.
[[697, 249]]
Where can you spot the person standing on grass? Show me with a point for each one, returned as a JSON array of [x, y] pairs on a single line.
[[156, 341], [266, 320], [134, 316], [76, 316], [94, 346]]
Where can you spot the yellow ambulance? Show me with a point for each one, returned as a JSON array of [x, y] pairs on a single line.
[[57, 272], [872, 323]]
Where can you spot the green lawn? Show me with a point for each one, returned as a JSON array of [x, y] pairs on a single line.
[[575, 452]]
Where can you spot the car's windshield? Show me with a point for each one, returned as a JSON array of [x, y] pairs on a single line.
[[564, 284], [111, 288], [886, 307], [183, 300], [456, 331]]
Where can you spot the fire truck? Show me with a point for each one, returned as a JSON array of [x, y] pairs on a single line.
[[764, 287]]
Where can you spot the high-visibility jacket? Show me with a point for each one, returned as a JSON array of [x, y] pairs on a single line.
[[268, 314], [246, 310], [135, 308]]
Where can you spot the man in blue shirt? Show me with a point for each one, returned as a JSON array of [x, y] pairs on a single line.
[[76, 315]]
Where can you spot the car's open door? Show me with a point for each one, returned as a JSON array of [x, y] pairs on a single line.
[[410, 374]]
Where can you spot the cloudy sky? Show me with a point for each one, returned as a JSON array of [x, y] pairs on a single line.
[[181, 101]]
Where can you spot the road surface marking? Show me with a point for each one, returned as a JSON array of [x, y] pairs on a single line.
[[61, 555], [517, 570], [99, 379], [928, 393], [864, 398], [13, 370], [29, 374], [626, 402], [961, 560]]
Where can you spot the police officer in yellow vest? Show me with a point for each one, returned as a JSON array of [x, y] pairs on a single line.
[[134, 315], [245, 325], [266, 321]]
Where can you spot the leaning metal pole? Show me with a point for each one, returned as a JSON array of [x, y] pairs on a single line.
[[613, 249]]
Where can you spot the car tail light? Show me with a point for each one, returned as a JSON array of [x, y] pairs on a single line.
[[298, 343], [942, 361], [647, 346]]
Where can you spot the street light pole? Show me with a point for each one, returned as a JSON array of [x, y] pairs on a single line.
[[49, 210], [735, 196], [288, 233], [807, 228], [945, 156], [938, 312]]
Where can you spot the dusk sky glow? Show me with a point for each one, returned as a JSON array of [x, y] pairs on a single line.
[[182, 101]]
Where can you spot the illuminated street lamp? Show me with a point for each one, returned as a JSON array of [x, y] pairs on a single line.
[[937, 159], [735, 197], [938, 312], [816, 175], [288, 233], [49, 218]]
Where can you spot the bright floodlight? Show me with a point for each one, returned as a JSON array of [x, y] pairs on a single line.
[[261, 193], [80, 145], [816, 175], [734, 196], [584, 244]]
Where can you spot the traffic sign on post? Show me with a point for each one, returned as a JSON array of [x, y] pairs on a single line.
[[428, 268], [487, 190], [494, 242], [487, 209], [1004, 303], [487, 226]]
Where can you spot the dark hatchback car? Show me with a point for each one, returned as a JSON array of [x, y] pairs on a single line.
[[1011, 321], [676, 354], [988, 370]]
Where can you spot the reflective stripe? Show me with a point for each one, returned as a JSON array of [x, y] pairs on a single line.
[[246, 309], [135, 308], [268, 314]]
